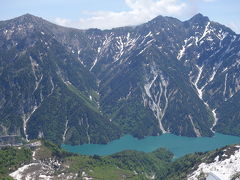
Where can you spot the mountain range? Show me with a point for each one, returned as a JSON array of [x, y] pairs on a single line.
[[92, 86]]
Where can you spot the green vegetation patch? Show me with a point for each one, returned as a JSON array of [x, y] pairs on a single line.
[[11, 158]]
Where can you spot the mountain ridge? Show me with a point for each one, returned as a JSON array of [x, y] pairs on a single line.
[[161, 76]]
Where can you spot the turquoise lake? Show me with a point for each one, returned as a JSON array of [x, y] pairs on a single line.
[[179, 145]]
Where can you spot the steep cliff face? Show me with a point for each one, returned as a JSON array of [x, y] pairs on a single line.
[[91, 86]]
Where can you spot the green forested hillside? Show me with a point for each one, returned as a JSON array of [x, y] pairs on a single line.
[[11, 159], [158, 164]]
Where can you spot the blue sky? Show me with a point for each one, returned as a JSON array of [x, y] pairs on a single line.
[[107, 14]]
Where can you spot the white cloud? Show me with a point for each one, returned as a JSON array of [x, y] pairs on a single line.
[[62, 21], [209, 0], [140, 11], [234, 26]]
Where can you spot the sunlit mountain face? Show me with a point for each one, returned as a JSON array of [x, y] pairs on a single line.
[[91, 86]]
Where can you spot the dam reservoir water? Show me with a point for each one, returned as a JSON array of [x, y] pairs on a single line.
[[178, 145]]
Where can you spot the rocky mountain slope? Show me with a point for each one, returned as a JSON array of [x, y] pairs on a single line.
[[90, 86], [45, 90]]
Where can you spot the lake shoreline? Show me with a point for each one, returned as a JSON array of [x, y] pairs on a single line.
[[178, 145]]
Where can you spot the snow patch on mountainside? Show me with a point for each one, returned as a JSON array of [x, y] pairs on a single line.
[[18, 174], [215, 120], [182, 51], [53, 87], [65, 131], [206, 31], [120, 47], [87, 131], [224, 169], [94, 64], [25, 118], [225, 87], [199, 90], [157, 103], [197, 132], [41, 170]]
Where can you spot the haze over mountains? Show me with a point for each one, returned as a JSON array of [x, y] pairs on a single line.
[[92, 86]]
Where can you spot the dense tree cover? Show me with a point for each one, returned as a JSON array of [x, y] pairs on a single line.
[[131, 164], [140, 162], [229, 121], [11, 158], [180, 168]]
